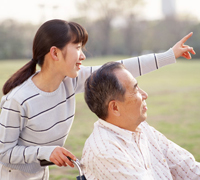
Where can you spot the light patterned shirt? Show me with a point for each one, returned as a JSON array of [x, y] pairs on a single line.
[[114, 153]]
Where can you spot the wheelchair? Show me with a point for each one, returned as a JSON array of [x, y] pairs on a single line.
[[76, 163]]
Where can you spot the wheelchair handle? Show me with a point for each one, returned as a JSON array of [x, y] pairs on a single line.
[[76, 163]]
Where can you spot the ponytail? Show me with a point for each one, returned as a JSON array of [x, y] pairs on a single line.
[[20, 76]]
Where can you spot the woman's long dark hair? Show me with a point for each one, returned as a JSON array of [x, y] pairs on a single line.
[[52, 33]]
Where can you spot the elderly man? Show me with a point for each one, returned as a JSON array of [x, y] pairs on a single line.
[[122, 144]]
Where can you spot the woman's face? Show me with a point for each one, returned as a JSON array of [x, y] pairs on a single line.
[[72, 57]]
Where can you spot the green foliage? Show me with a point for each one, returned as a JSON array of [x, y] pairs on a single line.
[[173, 107], [119, 32], [16, 39]]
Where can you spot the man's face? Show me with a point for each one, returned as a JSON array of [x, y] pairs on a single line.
[[133, 110]]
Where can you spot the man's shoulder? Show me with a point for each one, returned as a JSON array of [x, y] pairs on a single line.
[[145, 127], [99, 140]]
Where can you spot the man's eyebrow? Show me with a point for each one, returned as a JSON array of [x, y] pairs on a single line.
[[135, 85]]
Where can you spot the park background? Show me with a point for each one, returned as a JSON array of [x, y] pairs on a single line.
[[118, 30]]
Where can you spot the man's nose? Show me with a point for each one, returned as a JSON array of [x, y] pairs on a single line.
[[144, 94]]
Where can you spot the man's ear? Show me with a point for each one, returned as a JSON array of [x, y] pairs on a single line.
[[113, 108], [54, 53]]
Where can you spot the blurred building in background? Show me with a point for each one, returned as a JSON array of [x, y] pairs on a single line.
[[169, 8]]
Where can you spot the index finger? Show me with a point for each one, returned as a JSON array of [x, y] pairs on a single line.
[[69, 154], [184, 39]]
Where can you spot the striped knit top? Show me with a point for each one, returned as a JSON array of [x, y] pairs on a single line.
[[33, 122]]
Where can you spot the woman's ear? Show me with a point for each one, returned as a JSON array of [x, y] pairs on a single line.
[[54, 53], [113, 108]]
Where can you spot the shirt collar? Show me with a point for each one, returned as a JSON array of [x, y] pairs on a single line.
[[122, 133]]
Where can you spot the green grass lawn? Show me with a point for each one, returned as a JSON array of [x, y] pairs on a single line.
[[173, 107]]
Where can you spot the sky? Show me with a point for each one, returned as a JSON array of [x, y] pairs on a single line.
[[36, 11]]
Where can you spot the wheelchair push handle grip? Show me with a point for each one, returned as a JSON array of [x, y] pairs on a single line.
[[48, 163]]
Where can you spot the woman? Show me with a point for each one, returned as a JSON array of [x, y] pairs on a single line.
[[38, 107]]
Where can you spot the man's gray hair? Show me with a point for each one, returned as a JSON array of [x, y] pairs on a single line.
[[102, 87]]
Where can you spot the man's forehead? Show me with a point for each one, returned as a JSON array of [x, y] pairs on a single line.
[[125, 77]]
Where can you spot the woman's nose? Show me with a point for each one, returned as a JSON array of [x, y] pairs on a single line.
[[82, 56]]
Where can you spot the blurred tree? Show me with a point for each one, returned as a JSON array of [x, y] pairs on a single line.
[[11, 45], [16, 39], [126, 37], [106, 11], [195, 40], [135, 35], [167, 32]]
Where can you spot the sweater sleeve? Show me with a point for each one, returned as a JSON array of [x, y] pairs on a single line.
[[11, 125], [136, 65], [147, 63]]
